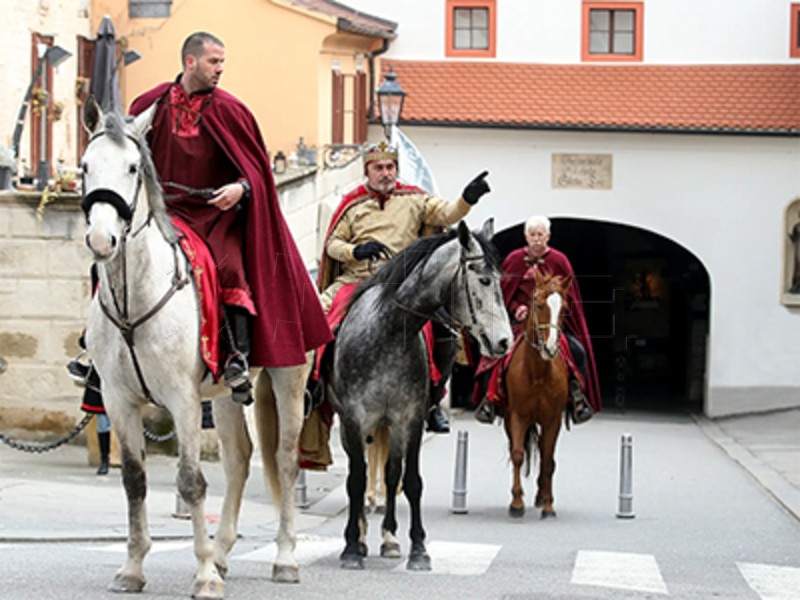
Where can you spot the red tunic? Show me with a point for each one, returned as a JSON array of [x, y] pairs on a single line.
[[289, 319]]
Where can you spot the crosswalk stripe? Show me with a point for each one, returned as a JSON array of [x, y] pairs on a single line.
[[309, 549], [455, 558], [772, 582], [618, 570]]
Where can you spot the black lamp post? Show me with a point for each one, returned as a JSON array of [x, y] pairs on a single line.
[[390, 98], [54, 56]]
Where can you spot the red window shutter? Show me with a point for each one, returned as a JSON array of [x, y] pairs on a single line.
[[360, 108], [85, 62]]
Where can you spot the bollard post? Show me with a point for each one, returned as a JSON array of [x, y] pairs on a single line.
[[301, 490], [181, 510], [625, 510], [460, 478]]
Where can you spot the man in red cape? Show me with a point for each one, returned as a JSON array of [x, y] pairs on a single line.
[[215, 172], [518, 286]]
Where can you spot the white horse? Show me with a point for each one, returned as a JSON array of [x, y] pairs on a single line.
[[143, 335]]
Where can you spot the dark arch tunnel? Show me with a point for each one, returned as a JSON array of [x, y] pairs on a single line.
[[646, 300]]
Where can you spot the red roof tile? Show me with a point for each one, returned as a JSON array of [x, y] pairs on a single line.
[[713, 98]]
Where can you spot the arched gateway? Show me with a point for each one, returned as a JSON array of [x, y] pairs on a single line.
[[646, 301]]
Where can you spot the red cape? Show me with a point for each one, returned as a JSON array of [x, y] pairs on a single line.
[[557, 263], [290, 319]]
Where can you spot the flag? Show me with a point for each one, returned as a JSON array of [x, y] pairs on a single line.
[[411, 166]]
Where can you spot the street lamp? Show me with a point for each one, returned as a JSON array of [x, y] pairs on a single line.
[[390, 98], [54, 56]]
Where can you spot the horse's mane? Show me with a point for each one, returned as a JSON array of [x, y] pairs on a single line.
[[116, 128], [396, 271]]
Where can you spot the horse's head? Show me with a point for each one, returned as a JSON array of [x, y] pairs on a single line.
[[113, 175], [481, 308], [543, 323]]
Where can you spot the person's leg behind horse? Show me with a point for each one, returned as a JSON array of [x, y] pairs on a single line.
[[444, 353], [581, 409]]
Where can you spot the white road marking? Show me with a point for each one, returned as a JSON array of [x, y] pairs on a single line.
[[309, 549], [618, 570], [772, 582], [455, 558]]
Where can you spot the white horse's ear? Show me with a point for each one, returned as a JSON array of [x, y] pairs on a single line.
[[143, 121], [487, 231], [90, 116]]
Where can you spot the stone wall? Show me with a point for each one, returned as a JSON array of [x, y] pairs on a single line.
[[44, 290]]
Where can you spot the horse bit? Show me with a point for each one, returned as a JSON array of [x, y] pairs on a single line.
[[122, 319]]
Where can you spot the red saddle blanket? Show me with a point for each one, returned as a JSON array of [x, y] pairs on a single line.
[[204, 272]]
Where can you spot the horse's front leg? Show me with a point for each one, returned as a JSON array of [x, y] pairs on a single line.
[[418, 558], [547, 466], [352, 557], [284, 388], [390, 548], [237, 449], [515, 431], [192, 488], [126, 417]]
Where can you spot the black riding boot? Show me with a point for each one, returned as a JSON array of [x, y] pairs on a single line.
[[444, 352], [485, 411], [237, 371], [104, 442], [581, 411]]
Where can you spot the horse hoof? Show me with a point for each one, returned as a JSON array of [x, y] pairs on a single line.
[[285, 574], [363, 550], [548, 514], [539, 502], [419, 562], [516, 513], [390, 550], [352, 563], [127, 584], [208, 590]]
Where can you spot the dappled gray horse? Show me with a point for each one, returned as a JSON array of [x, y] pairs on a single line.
[[143, 336], [380, 369]]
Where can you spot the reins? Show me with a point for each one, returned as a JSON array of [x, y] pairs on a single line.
[[454, 325], [121, 317]]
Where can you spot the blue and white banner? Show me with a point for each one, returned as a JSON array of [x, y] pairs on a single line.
[[412, 167]]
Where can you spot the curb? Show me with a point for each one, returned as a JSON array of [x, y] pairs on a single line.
[[785, 493]]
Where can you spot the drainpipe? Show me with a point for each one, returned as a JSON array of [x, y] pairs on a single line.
[[371, 56]]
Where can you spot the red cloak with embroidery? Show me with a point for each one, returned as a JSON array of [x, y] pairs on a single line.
[[289, 319], [555, 262]]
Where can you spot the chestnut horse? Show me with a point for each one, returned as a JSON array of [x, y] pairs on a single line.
[[536, 382]]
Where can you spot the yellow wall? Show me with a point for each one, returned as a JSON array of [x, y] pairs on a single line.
[[278, 59]]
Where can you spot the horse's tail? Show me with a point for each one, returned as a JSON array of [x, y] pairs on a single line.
[[531, 443], [268, 432]]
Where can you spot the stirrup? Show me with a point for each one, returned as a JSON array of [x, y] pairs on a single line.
[[237, 372], [78, 371], [485, 413]]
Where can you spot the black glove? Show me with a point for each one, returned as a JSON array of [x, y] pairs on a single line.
[[475, 189], [372, 250]]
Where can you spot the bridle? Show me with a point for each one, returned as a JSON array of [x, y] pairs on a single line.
[[120, 316], [538, 329], [453, 325]]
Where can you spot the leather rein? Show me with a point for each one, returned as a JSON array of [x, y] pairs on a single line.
[[120, 315]]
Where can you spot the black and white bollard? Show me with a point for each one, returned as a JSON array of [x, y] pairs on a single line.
[[460, 478], [301, 490], [625, 510]]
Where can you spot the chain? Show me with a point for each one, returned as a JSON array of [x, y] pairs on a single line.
[[40, 448], [153, 437], [36, 447]]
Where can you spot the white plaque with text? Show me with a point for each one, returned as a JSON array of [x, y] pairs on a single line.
[[581, 172]]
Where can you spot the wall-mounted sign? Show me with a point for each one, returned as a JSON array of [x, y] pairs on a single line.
[[581, 172]]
